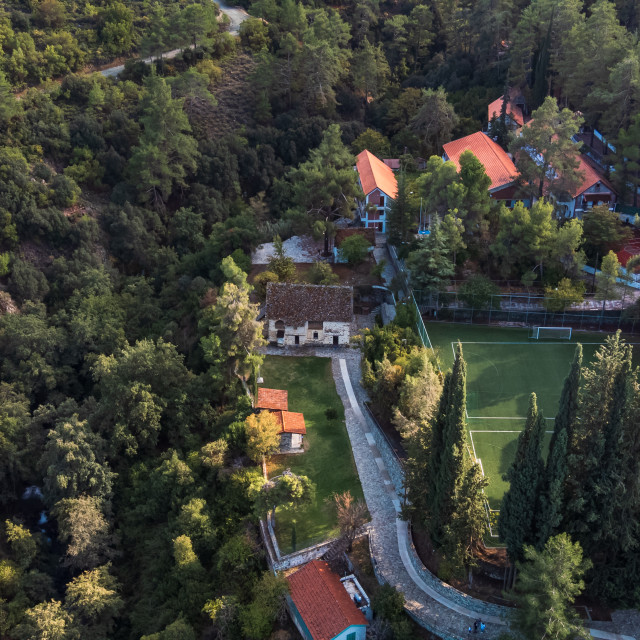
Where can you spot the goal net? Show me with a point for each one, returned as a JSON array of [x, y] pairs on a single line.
[[551, 333]]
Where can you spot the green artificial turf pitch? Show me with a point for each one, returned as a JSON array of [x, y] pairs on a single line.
[[503, 367], [328, 460]]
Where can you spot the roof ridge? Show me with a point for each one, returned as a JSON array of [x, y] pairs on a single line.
[[492, 144]]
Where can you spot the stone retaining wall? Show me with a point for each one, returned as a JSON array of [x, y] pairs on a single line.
[[451, 593]]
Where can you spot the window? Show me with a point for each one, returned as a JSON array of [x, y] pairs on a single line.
[[315, 335], [381, 201], [351, 636], [297, 339], [315, 325], [335, 340]]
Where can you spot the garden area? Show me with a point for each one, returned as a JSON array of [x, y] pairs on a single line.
[[327, 459]]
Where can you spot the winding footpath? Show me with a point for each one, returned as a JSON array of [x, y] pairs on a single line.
[[236, 15]]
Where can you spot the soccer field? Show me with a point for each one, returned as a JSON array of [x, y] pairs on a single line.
[[503, 367]]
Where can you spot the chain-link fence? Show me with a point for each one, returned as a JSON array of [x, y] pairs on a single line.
[[527, 309]]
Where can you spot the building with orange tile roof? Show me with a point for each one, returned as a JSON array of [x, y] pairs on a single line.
[[275, 399], [380, 188], [496, 162], [514, 116], [323, 606], [292, 428], [594, 190]]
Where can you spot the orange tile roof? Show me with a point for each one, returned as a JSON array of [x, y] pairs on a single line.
[[513, 111], [322, 601], [272, 399], [591, 177], [375, 174], [290, 422], [498, 165]]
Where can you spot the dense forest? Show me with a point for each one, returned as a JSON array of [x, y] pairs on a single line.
[[129, 207]]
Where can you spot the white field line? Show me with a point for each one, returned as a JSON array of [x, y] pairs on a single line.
[[487, 506], [500, 418], [492, 431], [537, 344], [503, 417]]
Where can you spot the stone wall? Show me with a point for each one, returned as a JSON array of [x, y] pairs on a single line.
[[451, 593]]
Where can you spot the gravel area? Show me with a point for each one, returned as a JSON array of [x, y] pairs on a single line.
[[298, 248]]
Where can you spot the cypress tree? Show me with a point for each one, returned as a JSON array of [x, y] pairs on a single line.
[[400, 216], [444, 485], [518, 511], [451, 461], [586, 446], [551, 498]]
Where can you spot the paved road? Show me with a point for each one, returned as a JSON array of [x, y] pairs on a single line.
[[236, 15]]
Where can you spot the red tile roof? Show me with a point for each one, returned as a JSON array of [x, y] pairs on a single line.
[[513, 111], [496, 162], [591, 177], [375, 174], [290, 422], [392, 163], [272, 399], [322, 601]]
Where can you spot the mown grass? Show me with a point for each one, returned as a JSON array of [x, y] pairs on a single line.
[[327, 460]]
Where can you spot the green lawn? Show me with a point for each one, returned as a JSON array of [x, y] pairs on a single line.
[[496, 450], [328, 460], [503, 367]]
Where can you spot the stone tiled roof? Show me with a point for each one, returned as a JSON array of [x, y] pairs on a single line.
[[296, 304], [322, 601], [290, 422], [272, 399]]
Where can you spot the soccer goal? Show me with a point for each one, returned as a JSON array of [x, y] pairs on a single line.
[[550, 333]]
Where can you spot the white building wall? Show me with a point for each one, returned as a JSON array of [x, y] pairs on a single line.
[[306, 335], [340, 329]]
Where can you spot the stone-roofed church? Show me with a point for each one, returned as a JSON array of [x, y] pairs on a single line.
[[299, 314]]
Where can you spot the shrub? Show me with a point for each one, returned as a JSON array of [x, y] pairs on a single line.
[[354, 249], [322, 273], [331, 413], [564, 295], [376, 271], [477, 291], [261, 281]]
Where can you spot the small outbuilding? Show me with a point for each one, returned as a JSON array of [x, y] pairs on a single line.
[[324, 606], [299, 314]]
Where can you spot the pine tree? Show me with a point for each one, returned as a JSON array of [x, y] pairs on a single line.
[[518, 511], [551, 497], [167, 152], [550, 580]]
